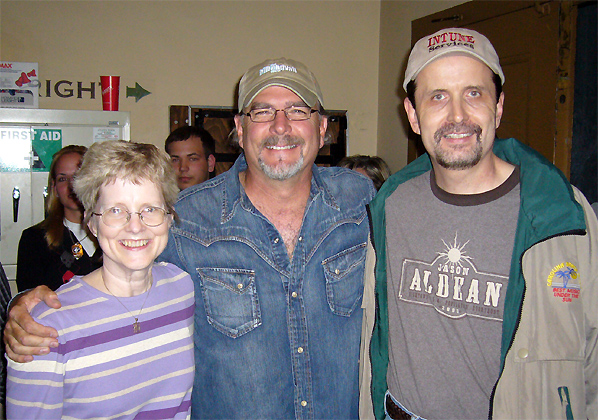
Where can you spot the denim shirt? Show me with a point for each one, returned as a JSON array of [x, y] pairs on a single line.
[[275, 338]]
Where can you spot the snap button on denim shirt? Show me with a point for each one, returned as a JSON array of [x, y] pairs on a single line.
[[274, 338]]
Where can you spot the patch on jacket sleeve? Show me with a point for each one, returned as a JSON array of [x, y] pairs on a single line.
[[565, 282]]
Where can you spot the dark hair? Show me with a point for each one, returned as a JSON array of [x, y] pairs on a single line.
[[495, 78], [188, 131], [54, 221], [374, 166]]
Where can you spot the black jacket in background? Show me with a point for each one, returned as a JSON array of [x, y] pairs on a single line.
[[37, 264]]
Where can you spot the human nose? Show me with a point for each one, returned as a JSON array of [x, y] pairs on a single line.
[[280, 124], [184, 165], [135, 224], [457, 112]]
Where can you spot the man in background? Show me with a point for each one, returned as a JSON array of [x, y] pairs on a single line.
[[191, 151], [486, 260]]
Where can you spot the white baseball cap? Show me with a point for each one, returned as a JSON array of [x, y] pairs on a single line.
[[451, 41]]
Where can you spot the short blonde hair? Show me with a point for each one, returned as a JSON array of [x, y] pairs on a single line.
[[118, 159]]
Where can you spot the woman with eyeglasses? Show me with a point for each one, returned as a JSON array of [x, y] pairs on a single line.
[[53, 251], [125, 331]]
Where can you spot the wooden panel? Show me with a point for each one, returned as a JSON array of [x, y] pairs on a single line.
[[220, 123], [179, 116], [565, 88]]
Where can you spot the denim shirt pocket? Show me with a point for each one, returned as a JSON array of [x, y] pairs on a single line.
[[230, 299], [344, 279]]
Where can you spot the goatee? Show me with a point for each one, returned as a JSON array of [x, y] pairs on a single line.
[[456, 157]]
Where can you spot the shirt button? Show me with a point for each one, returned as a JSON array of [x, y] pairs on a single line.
[[300, 350], [294, 294], [300, 238], [276, 240], [337, 271], [523, 353], [303, 403], [239, 286]]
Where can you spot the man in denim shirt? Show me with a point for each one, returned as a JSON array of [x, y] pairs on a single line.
[[276, 248]]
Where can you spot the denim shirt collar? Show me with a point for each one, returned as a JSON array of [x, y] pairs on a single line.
[[234, 193]]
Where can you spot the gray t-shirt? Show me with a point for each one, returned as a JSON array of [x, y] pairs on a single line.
[[448, 261]]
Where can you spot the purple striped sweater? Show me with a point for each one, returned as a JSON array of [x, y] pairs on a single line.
[[101, 368]]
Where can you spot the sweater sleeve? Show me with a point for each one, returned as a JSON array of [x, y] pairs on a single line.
[[34, 390]]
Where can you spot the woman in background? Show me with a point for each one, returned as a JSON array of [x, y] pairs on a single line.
[[125, 331], [373, 167], [59, 247]]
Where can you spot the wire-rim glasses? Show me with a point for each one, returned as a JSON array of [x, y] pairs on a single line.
[[293, 113], [118, 216]]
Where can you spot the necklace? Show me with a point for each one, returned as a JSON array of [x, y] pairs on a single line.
[[136, 326], [77, 248]]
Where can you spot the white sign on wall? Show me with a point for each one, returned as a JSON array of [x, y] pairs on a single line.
[[19, 85]]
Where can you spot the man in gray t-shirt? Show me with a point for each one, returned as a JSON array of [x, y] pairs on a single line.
[[482, 302]]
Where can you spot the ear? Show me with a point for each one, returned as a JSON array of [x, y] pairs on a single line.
[[323, 128], [239, 126], [211, 163], [499, 109], [412, 116], [92, 225]]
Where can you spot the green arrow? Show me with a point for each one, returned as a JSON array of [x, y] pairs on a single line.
[[137, 92]]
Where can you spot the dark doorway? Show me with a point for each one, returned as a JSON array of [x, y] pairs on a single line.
[[584, 150]]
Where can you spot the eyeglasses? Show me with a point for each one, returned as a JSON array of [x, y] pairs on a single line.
[[293, 113], [118, 216]]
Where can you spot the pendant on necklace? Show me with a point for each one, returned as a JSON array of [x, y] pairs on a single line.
[[77, 250], [136, 327]]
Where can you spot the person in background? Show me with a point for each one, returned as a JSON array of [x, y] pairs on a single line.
[[191, 151], [125, 348], [373, 167], [59, 247], [485, 286]]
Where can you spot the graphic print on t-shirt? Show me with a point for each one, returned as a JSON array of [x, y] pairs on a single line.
[[452, 284]]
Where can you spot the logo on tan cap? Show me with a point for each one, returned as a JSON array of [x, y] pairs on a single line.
[[283, 72], [451, 41]]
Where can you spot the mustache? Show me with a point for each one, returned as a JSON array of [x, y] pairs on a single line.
[[462, 127], [285, 140]]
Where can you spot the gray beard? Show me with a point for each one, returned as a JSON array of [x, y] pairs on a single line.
[[445, 157], [282, 171]]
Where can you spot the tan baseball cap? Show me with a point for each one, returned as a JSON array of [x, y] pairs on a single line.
[[283, 72], [451, 41]]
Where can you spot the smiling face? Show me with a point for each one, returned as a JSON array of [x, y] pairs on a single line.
[[456, 111], [64, 170], [134, 246], [190, 162], [280, 149]]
